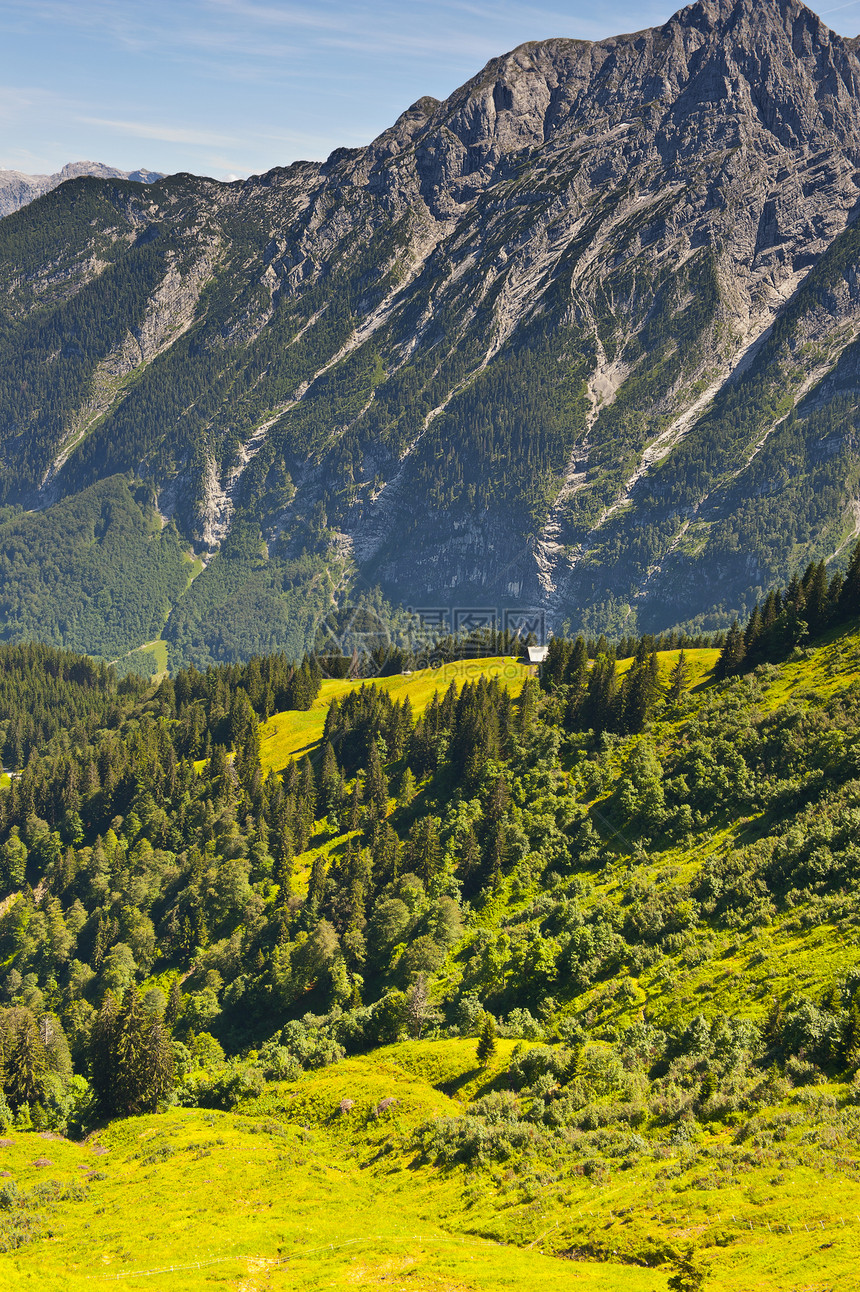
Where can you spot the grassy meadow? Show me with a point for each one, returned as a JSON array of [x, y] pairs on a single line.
[[290, 1192], [293, 734], [328, 1180]]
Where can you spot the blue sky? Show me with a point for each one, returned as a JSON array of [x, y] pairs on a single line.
[[233, 87]]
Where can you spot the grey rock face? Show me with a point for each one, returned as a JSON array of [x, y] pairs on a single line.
[[583, 336], [17, 189]]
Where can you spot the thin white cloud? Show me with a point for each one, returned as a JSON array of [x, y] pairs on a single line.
[[276, 15], [19, 100], [207, 138], [165, 134]]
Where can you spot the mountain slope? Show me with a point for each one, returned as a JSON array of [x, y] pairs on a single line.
[[582, 337], [662, 924], [18, 189]]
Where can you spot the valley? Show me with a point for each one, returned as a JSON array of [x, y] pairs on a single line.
[[430, 690]]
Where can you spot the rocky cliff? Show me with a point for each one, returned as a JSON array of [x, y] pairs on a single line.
[[583, 337]]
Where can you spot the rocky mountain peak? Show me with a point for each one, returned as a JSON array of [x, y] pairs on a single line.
[[722, 15], [716, 75], [18, 189], [574, 338]]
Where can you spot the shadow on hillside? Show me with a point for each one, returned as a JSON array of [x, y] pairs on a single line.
[[452, 1088]]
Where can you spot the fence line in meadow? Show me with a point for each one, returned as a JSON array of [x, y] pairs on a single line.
[[274, 1263]]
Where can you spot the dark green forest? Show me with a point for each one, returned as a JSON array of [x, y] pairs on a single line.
[[96, 573], [178, 925]]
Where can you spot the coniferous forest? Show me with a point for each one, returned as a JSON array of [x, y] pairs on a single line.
[[348, 937], [626, 884]]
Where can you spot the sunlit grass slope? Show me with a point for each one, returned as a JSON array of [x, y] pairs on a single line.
[[699, 664], [321, 1182], [288, 1193], [287, 735], [298, 1190]]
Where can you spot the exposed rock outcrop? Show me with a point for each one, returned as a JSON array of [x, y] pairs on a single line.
[[17, 189], [583, 336]]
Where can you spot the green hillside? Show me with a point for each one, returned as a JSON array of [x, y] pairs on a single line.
[[296, 731], [646, 926], [289, 1192], [96, 573]]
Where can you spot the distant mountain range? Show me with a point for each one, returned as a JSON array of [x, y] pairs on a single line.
[[17, 189], [583, 338]]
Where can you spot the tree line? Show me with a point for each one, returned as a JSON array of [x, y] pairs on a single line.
[[790, 616]]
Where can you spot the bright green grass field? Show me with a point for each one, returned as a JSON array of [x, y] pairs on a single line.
[[292, 1193], [699, 665], [287, 735], [289, 1193]]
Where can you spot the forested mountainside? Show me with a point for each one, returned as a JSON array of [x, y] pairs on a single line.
[[614, 906], [17, 189], [582, 338]]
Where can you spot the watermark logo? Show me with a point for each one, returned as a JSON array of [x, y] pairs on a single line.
[[364, 641]]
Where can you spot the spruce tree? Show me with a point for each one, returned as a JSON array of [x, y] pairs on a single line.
[[329, 777], [849, 596], [576, 675], [640, 688], [174, 1004], [690, 1270], [27, 1062], [291, 779], [356, 799], [487, 1041], [679, 679], [102, 1065], [376, 785], [131, 1061], [528, 705], [316, 884], [284, 852], [818, 599], [732, 655], [598, 710], [385, 851], [407, 791], [470, 854], [555, 665], [753, 634], [425, 848]]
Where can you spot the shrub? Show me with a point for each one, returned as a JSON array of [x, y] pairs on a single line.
[[521, 1023], [278, 1064], [526, 1067], [470, 1139], [810, 1032], [499, 1106], [225, 1090], [470, 1015], [487, 1041], [309, 1045]]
